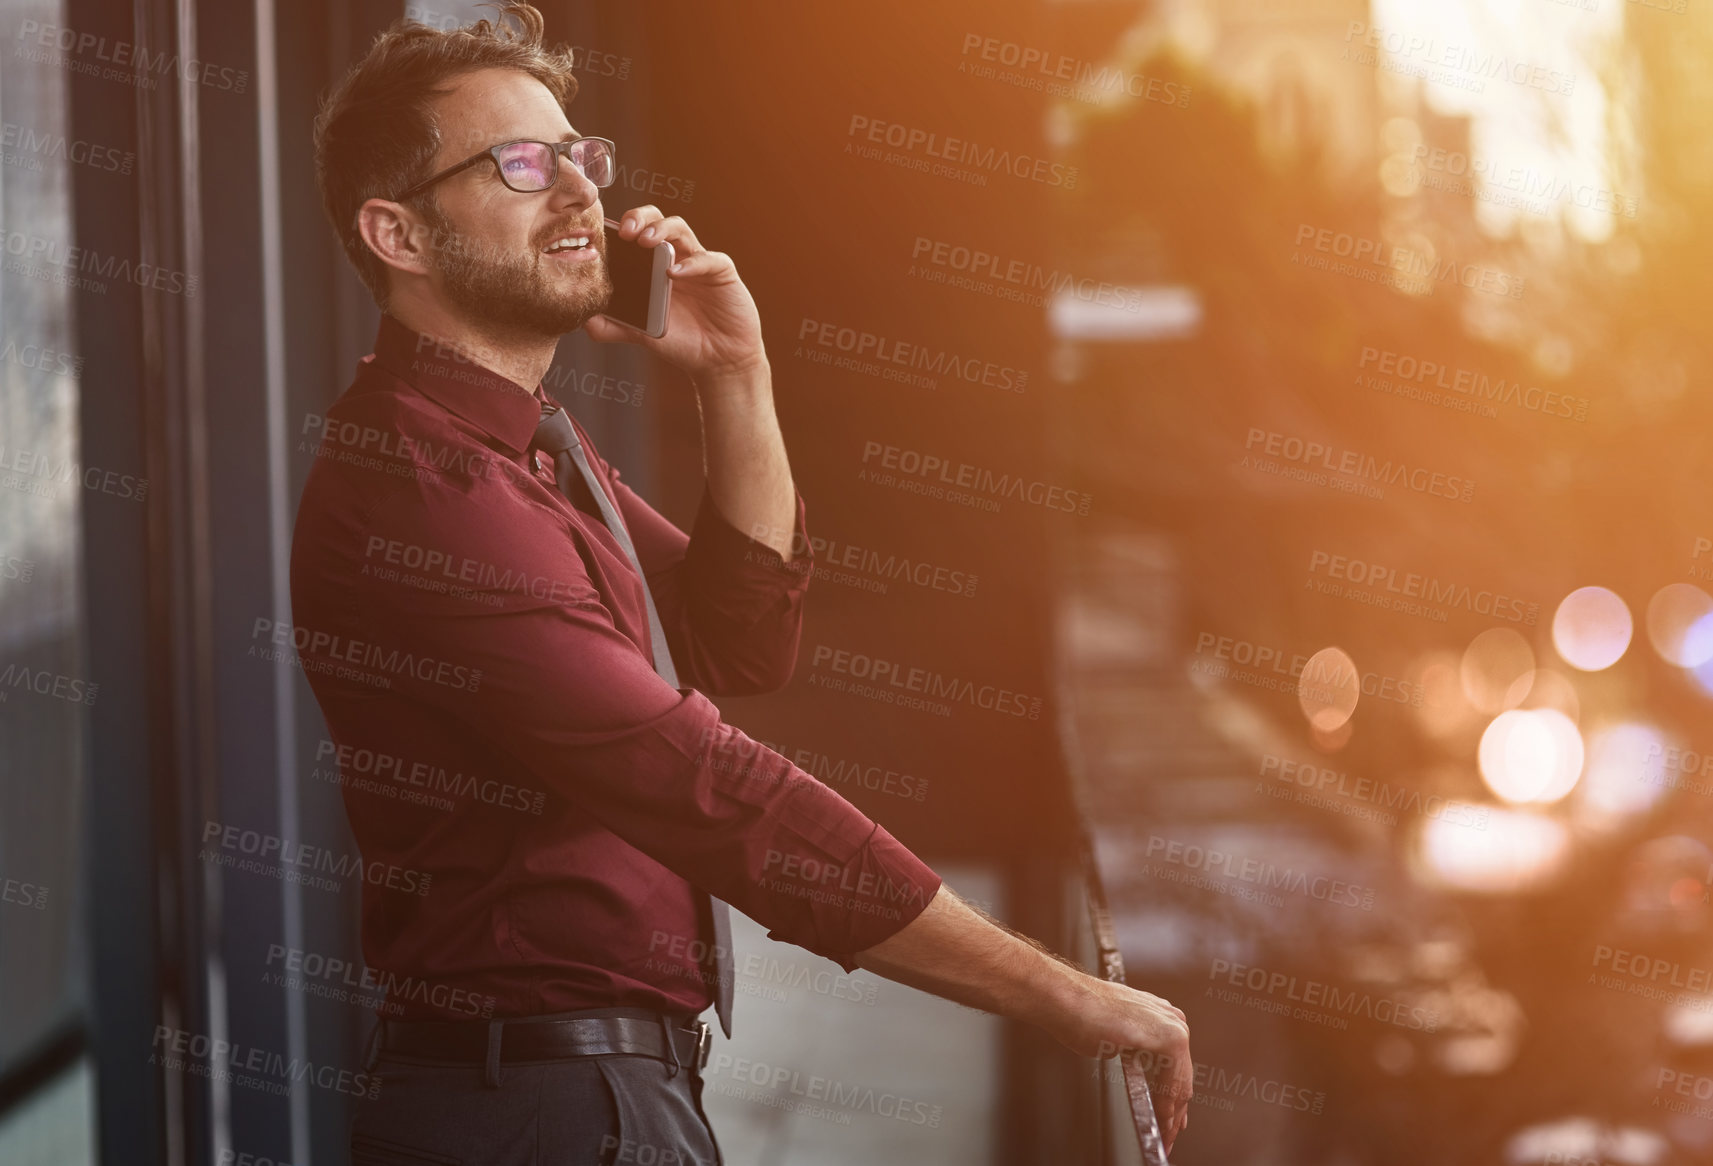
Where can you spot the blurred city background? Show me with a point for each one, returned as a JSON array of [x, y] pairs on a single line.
[[1301, 404]]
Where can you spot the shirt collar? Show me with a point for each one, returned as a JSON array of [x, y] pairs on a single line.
[[498, 407]]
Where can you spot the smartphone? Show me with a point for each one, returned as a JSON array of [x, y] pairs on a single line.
[[642, 290]]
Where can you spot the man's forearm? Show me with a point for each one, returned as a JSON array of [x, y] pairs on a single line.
[[952, 951], [749, 477]]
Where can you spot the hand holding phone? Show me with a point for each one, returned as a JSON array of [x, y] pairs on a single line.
[[715, 328], [642, 289]]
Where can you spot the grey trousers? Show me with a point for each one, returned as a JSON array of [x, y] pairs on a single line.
[[582, 1111]]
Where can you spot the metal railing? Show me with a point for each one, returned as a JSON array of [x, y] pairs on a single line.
[[1111, 964]]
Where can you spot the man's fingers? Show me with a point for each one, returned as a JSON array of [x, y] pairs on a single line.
[[634, 220], [1171, 1124], [1171, 1103], [701, 264], [673, 230], [645, 225], [1181, 1087]]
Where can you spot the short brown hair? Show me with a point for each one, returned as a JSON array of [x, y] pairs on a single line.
[[376, 133]]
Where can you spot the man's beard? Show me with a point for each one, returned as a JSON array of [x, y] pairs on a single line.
[[511, 291]]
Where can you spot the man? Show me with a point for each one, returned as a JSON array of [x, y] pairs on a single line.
[[560, 814]]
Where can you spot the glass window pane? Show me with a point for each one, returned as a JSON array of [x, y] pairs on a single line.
[[42, 678]]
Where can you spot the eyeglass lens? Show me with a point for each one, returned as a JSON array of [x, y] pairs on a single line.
[[531, 166]]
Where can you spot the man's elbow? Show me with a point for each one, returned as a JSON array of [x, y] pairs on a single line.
[[754, 659], [755, 677]]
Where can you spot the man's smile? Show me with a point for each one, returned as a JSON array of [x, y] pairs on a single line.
[[574, 246]]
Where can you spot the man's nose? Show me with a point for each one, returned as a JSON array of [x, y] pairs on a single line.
[[574, 189]]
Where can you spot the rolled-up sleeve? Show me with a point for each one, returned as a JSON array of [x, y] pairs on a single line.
[[549, 681], [732, 608]]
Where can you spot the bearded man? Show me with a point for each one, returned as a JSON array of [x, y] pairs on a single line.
[[485, 610]]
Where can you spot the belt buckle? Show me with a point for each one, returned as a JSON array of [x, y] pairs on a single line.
[[704, 1044]]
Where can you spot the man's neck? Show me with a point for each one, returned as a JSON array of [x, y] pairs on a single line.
[[521, 358]]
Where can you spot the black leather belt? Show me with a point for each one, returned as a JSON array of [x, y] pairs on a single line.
[[528, 1038]]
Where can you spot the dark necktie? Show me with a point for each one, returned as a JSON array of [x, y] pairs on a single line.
[[556, 437]]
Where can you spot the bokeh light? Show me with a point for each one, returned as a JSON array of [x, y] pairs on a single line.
[[1531, 755], [1585, 1140], [1592, 628], [1698, 641], [1497, 670], [1328, 689], [1616, 779], [1444, 711], [1332, 741], [1519, 850], [1679, 624], [1664, 886]]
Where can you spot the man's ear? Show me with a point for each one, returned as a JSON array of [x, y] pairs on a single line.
[[397, 236]]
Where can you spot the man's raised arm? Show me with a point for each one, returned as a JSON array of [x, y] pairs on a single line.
[[713, 333]]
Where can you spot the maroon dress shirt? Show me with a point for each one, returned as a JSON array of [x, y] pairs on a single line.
[[531, 801]]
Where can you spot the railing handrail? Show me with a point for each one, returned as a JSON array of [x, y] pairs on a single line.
[[1111, 963]]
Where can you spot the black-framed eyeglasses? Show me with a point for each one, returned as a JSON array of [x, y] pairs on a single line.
[[528, 167]]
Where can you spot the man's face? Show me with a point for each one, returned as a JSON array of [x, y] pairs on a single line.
[[491, 242]]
